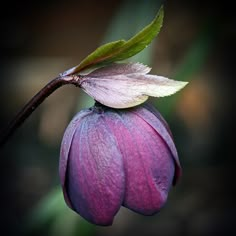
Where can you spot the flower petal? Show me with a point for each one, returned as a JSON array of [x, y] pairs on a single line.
[[149, 167], [66, 145], [95, 176], [154, 111], [163, 130]]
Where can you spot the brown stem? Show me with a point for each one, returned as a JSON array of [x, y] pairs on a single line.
[[26, 111]]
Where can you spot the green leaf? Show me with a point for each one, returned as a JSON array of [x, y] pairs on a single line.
[[121, 49]]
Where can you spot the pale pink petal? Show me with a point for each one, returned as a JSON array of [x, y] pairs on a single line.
[[127, 90], [120, 69]]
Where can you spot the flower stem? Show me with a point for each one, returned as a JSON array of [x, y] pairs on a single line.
[[35, 101]]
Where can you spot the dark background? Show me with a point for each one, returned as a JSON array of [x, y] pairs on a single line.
[[40, 39]]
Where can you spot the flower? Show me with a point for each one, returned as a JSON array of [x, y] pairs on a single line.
[[111, 158], [126, 85]]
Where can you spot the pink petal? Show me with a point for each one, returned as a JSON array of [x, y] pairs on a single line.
[[115, 91], [164, 132], [153, 110], [149, 167]]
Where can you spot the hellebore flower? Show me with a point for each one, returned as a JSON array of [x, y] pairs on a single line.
[[111, 158]]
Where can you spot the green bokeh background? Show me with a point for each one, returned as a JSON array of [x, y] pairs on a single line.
[[43, 38]]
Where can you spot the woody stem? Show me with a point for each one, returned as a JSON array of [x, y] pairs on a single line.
[[35, 101]]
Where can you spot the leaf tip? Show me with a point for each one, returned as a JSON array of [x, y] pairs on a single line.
[[179, 85]]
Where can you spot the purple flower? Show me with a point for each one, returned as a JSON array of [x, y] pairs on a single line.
[[112, 158]]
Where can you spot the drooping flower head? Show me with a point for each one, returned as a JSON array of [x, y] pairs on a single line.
[[112, 158], [120, 153]]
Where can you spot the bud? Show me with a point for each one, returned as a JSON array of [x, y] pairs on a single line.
[[111, 158]]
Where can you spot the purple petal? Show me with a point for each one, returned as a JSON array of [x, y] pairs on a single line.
[[66, 145], [164, 133], [95, 176], [152, 109], [149, 167]]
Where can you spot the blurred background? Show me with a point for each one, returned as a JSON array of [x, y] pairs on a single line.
[[40, 39]]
